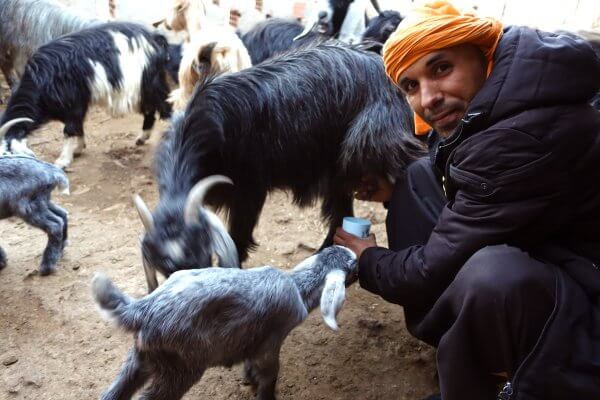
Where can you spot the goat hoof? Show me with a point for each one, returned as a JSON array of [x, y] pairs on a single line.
[[246, 381], [140, 142], [2, 259], [62, 164], [46, 270]]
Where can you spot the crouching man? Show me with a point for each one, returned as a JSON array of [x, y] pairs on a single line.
[[500, 270]]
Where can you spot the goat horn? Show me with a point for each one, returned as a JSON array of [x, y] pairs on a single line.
[[306, 31], [195, 198], [4, 128], [156, 24], [144, 213]]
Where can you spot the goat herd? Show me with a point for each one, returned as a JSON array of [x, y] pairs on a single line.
[[282, 106]]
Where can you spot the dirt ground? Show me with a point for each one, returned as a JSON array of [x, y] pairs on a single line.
[[55, 345]]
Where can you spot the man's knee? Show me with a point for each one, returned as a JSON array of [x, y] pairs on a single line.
[[499, 273]]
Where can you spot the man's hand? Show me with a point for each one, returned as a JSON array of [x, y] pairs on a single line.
[[354, 243], [374, 188]]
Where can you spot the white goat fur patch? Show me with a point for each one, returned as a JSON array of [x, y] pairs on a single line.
[[125, 98]]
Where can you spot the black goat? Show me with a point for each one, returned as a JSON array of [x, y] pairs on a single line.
[[175, 55], [121, 66], [380, 28], [312, 121], [275, 36]]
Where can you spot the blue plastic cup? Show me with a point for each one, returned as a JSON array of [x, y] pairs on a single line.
[[356, 226]]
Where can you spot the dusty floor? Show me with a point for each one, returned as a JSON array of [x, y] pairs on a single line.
[[55, 345]]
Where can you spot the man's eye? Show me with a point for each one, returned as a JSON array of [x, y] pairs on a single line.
[[442, 68], [408, 87]]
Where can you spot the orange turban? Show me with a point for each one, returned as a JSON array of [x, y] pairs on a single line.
[[434, 26]]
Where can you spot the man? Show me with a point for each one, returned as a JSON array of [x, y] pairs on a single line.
[[503, 278]]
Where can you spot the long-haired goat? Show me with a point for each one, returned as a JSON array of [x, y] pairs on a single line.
[[204, 235], [380, 28], [25, 25], [26, 184], [211, 51], [311, 121], [121, 66], [203, 318]]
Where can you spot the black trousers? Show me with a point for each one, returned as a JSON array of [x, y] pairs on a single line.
[[491, 316]]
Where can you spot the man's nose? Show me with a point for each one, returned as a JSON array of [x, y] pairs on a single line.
[[431, 95]]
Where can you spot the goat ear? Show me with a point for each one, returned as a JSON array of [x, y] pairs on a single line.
[[223, 244], [333, 297]]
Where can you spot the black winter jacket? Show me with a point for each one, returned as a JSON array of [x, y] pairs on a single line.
[[523, 168]]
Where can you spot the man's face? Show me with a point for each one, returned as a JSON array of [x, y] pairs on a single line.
[[440, 85]]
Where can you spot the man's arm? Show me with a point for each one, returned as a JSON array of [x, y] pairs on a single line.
[[511, 210]]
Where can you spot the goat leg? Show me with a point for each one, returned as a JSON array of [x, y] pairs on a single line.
[[132, 377], [267, 369], [39, 215], [243, 217], [249, 378], [171, 380], [147, 126], [335, 207], [62, 214], [2, 259]]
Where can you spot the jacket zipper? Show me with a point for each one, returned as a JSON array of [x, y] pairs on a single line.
[[506, 392], [511, 387]]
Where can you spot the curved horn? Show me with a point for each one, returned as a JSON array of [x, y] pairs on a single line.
[[156, 24], [4, 128], [144, 212], [306, 31], [196, 196]]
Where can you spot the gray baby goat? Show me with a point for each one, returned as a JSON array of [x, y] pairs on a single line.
[[26, 184], [211, 317]]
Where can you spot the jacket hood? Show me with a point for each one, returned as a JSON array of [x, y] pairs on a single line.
[[535, 69]]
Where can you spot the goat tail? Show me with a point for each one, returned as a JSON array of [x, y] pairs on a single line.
[[62, 182], [114, 304]]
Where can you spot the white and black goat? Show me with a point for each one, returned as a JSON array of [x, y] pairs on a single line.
[[26, 184], [313, 122], [203, 318], [345, 20], [121, 66], [25, 25]]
